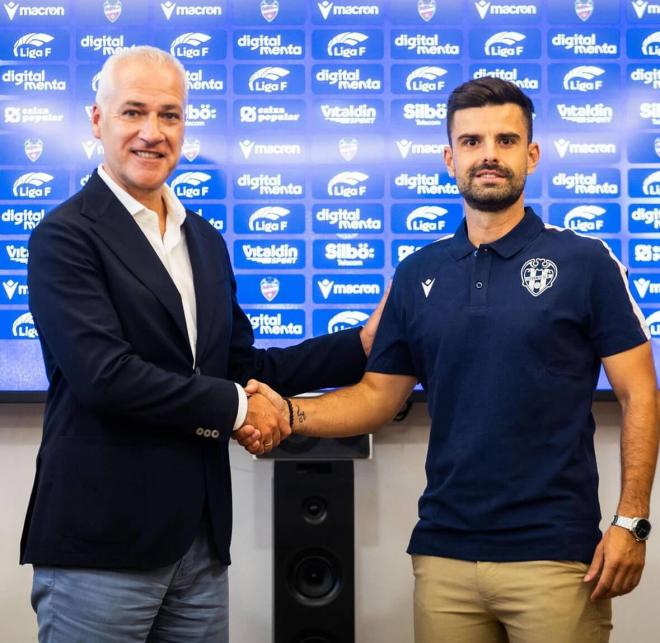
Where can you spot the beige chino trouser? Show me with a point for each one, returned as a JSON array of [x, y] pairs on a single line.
[[539, 601]]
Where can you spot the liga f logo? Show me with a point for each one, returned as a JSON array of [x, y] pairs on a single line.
[[538, 275]]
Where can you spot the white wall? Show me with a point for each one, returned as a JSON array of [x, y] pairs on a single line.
[[386, 490]]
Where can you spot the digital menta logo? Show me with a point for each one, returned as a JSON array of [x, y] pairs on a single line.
[[527, 77], [20, 220], [423, 184], [414, 44], [337, 219], [644, 218], [356, 78], [264, 185], [255, 45], [603, 183], [284, 324], [601, 43]]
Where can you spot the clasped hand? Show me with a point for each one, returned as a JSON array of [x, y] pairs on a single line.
[[267, 420]]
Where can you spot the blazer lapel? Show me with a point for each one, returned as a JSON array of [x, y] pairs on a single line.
[[203, 259], [123, 236]]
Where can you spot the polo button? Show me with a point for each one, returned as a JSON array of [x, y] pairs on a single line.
[[215, 434], [207, 433], [199, 431], [479, 284], [475, 253]]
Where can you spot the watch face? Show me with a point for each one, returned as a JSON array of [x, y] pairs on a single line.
[[642, 529]]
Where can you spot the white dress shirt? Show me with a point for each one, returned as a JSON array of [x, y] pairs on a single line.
[[172, 250]]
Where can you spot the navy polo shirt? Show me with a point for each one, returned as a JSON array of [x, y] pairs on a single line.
[[507, 340]]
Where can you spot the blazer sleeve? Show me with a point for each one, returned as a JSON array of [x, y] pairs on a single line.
[[85, 349]]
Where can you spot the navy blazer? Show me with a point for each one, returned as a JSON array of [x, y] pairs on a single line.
[[123, 475]]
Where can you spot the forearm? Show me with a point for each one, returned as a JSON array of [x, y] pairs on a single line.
[[639, 452], [358, 409]]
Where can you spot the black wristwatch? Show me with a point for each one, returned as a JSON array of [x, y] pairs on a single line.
[[640, 528]]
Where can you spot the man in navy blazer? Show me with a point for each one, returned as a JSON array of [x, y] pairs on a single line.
[[145, 346]]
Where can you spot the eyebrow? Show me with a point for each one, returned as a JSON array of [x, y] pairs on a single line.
[[137, 103], [500, 135]]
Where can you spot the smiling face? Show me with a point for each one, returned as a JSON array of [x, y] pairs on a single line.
[[490, 156], [141, 126]]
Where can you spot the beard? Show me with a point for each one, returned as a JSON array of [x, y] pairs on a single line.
[[491, 198]]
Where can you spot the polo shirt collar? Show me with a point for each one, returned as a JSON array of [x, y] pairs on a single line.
[[515, 240]]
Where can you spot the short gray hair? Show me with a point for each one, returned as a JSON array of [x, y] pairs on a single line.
[[146, 53]]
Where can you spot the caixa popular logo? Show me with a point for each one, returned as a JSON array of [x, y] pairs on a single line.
[[600, 183], [644, 182], [357, 253], [348, 289], [98, 45], [263, 185], [199, 45], [348, 184], [339, 114], [644, 253], [444, 43], [426, 219], [206, 79], [14, 290], [269, 219], [264, 45], [580, 148], [365, 43], [271, 289], [643, 43], [587, 218], [277, 324], [207, 184], [335, 79], [260, 254], [280, 114], [643, 76], [409, 114], [403, 248], [425, 79], [334, 321], [214, 213], [584, 79], [347, 12], [47, 185], [423, 183], [269, 80], [13, 255], [525, 76], [506, 12], [191, 11], [587, 43], [348, 219], [505, 44], [645, 287], [34, 80], [643, 217], [17, 325], [20, 219], [41, 115], [594, 114]]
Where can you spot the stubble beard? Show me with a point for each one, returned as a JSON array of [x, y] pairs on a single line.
[[491, 199]]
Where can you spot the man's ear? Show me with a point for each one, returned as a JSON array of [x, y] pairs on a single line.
[[449, 160], [96, 121], [533, 157]]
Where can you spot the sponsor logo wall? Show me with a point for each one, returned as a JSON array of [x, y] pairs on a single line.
[[315, 131]]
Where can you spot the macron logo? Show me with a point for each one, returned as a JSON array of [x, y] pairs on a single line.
[[10, 288], [562, 146], [246, 147], [404, 146], [168, 8], [325, 8], [641, 284], [325, 286], [482, 7], [640, 7], [427, 284], [11, 9]]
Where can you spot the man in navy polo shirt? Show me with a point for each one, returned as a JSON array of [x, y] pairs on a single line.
[[506, 324]]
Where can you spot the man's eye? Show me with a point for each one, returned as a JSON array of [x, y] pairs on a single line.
[[172, 116], [130, 113]]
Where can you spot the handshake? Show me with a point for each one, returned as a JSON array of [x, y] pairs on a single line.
[[267, 422]]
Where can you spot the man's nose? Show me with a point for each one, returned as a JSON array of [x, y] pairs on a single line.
[[150, 130], [490, 150]]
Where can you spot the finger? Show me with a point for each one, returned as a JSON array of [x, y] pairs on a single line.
[[596, 564], [604, 585], [251, 387]]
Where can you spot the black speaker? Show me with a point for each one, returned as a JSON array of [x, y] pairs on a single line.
[[313, 553], [300, 447]]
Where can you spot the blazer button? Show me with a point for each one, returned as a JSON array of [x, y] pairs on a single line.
[[199, 431], [198, 370], [207, 433], [215, 434]]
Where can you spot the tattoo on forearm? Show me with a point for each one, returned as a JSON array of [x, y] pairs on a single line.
[[300, 415]]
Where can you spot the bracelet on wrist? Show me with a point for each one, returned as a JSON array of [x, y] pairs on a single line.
[[288, 403]]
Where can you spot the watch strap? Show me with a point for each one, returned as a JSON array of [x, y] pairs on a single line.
[[623, 521]]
